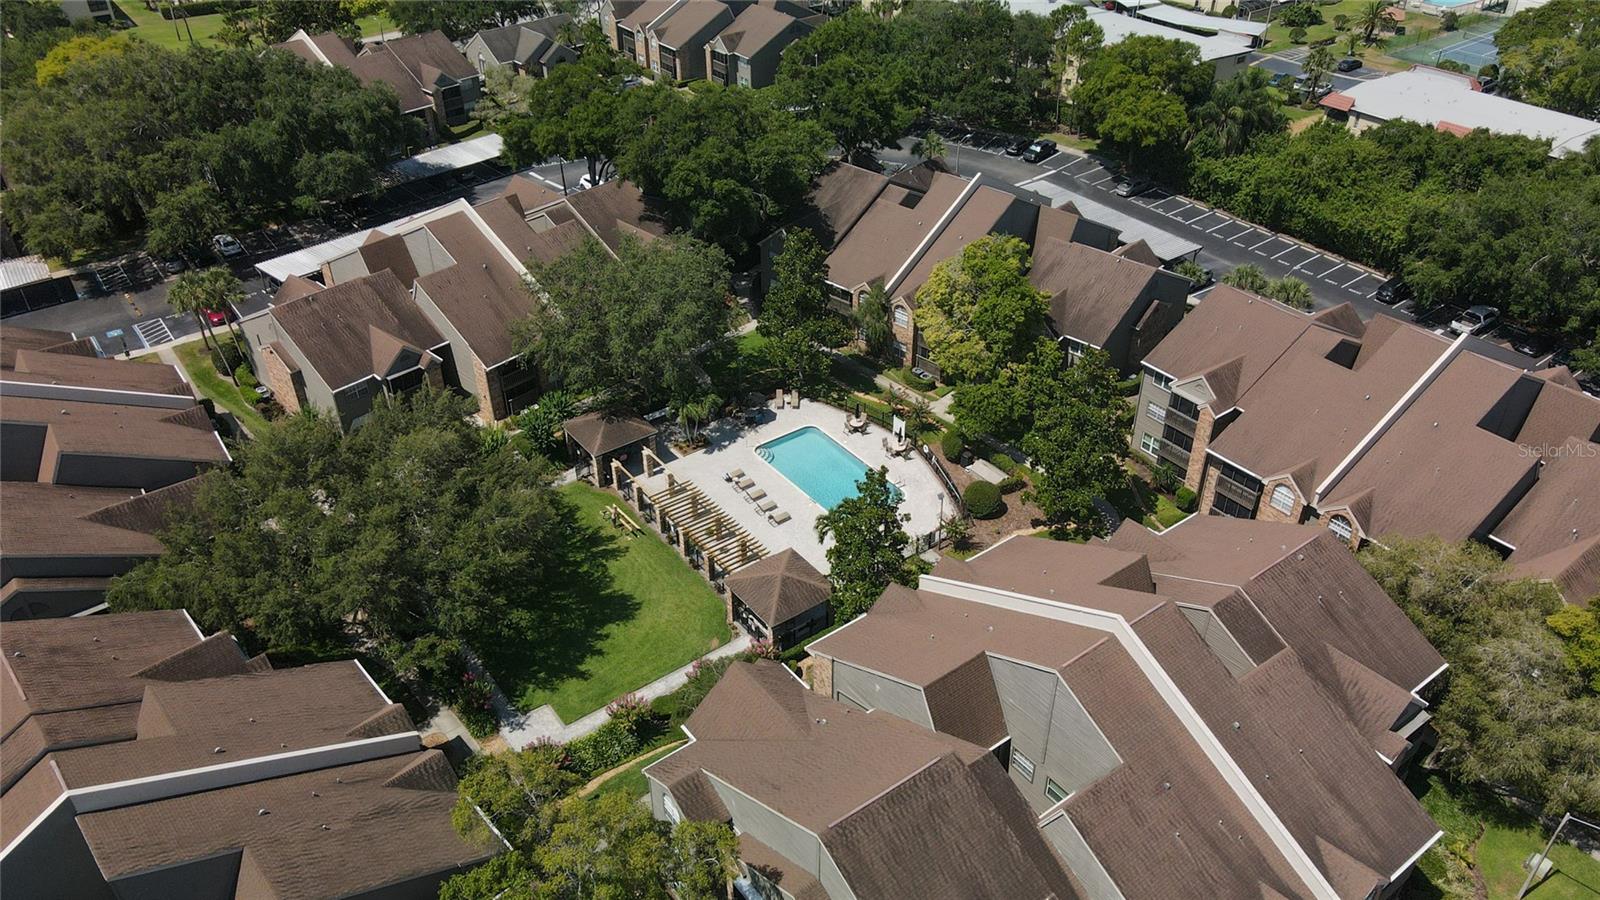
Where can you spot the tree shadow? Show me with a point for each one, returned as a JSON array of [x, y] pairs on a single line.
[[570, 610]]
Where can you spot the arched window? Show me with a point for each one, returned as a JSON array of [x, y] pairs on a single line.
[[1283, 499], [1340, 526]]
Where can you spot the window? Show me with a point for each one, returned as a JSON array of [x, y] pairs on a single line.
[[1074, 348], [670, 807], [1282, 498], [1159, 380], [1340, 526], [1021, 764], [1054, 791], [1156, 411], [357, 392], [1150, 444], [480, 62], [902, 317]]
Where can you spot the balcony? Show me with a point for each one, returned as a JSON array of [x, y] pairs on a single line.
[[1174, 454], [1247, 495]]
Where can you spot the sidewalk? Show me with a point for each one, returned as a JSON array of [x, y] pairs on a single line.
[[522, 729]]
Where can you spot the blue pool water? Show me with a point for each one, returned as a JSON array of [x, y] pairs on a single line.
[[816, 464]]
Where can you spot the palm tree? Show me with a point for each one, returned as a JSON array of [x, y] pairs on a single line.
[[1291, 292], [929, 146], [872, 316], [204, 290], [1248, 278], [1318, 64], [1352, 43], [1238, 110], [1372, 18]]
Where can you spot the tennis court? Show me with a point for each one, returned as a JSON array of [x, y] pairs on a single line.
[[1472, 46]]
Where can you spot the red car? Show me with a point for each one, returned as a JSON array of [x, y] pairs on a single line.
[[217, 318]]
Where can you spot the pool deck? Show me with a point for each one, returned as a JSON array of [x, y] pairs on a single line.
[[734, 447]]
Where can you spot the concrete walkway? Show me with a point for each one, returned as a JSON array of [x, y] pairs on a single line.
[[522, 729]]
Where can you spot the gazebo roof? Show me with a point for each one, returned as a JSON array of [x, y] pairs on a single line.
[[779, 587], [599, 433]]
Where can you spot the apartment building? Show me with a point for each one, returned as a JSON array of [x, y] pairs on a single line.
[[429, 76], [748, 50], [140, 758], [1215, 711], [831, 801], [95, 451], [534, 47], [1120, 302], [1375, 428], [729, 41]]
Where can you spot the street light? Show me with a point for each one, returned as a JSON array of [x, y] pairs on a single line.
[[1536, 861]]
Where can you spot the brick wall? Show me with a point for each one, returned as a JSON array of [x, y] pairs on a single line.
[[275, 372], [905, 334], [821, 675], [1267, 513], [1197, 455], [1208, 493], [480, 390]]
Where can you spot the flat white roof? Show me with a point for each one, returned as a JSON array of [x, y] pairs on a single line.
[[1118, 27], [1167, 246], [1431, 96], [20, 270], [1183, 18], [309, 260], [449, 157]]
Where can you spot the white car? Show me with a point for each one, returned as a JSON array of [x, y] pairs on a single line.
[[1475, 320], [227, 245]]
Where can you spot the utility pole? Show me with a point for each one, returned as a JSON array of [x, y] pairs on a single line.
[[1535, 862]]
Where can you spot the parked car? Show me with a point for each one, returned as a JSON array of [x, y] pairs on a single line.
[[1488, 85], [1348, 64], [1133, 186], [1039, 151], [1475, 320], [1392, 291], [172, 265], [1282, 81], [1017, 147], [218, 318], [227, 245]]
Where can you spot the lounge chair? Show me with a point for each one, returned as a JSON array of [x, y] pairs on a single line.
[[766, 506], [745, 484], [755, 495], [777, 399], [732, 476], [777, 518], [794, 399]]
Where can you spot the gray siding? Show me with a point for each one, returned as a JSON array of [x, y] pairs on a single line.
[[790, 840], [833, 880], [464, 354], [12, 566], [1143, 422], [24, 444], [1049, 726], [53, 862], [122, 471], [1071, 847], [201, 879], [50, 604], [1219, 639], [877, 692], [1078, 754]]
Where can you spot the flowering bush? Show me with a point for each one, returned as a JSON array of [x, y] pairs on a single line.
[[763, 649], [474, 704]]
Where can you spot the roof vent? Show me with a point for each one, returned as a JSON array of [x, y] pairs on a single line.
[[97, 640], [315, 794], [218, 750], [252, 720], [16, 654], [324, 827], [1236, 726], [262, 811], [822, 721], [1166, 785]]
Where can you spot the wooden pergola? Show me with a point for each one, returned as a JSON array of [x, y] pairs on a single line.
[[698, 525]]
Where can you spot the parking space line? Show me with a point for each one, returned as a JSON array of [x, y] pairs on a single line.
[[1287, 249], [1269, 240], [1174, 212], [1355, 279], [1191, 222], [1223, 224], [1235, 238], [1331, 271], [1108, 177]]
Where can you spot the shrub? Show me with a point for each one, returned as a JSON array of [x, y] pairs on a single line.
[[1011, 484], [1449, 21], [1167, 477], [1302, 15], [245, 379], [194, 8], [1004, 463], [474, 705], [952, 445], [1128, 387], [1185, 499], [911, 379], [1297, 35], [983, 500], [631, 711], [1229, 11], [605, 748], [1341, 22]]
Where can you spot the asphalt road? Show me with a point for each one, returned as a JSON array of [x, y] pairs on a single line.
[[1289, 62], [136, 315]]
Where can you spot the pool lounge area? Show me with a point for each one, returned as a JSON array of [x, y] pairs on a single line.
[[814, 465]]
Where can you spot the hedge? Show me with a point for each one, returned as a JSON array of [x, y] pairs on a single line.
[[195, 8], [952, 445], [983, 500], [1012, 483], [603, 749], [1185, 499]]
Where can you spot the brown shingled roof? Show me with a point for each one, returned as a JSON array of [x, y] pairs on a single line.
[[333, 327], [601, 432], [1091, 290], [780, 587]]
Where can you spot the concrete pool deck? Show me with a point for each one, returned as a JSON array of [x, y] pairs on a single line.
[[733, 446]]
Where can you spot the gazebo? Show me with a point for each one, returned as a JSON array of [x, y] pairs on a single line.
[[602, 437], [781, 598]]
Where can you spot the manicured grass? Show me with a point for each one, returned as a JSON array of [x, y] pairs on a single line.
[[375, 25], [1278, 35], [650, 616], [149, 26], [1496, 838], [1075, 141], [196, 361], [631, 781]]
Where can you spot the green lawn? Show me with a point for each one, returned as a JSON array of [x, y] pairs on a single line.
[[1278, 35], [375, 25], [646, 614], [1075, 141], [631, 781], [196, 360], [1496, 838], [1138, 501], [149, 26]]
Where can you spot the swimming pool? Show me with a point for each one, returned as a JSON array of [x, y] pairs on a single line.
[[817, 465]]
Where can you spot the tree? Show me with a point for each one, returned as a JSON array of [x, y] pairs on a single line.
[[628, 329], [852, 77], [1297, 35], [703, 858], [434, 535], [977, 62], [604, 846], [1352, 45], [978, 311], [577, 112], [1319, 62], [1077, 444], [181, 221], [459, 19], [1550, 55], [728, 161], [541, 423], [929, 147], [799, 293], [1373, 18], [695, 411], [274, 21], [1579, 629], [1248, 278], [874, 319], [504, 93], [1135, 95], [199, 291], [1291, 291], [1239, 111], [78, 51], [1006, 406], [516, 793], [1517, 714], [869, 546]]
